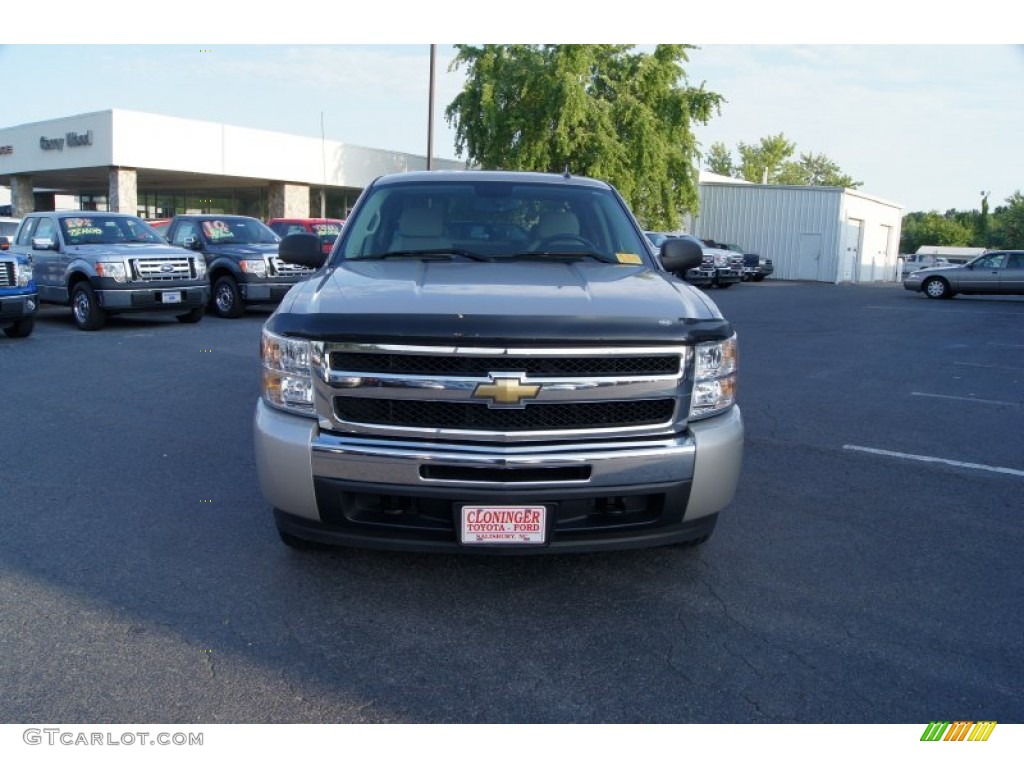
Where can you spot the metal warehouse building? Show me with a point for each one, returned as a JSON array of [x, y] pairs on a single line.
[[825, 234]]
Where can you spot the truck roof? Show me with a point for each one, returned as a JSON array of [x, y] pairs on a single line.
[[532, 177]]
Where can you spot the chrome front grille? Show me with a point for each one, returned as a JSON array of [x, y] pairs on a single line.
[[472, 416], [460, 365], [284, 269], [161, 269], [7, 278], [503, 394]]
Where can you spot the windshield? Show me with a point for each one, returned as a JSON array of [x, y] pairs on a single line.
[[8, 228], [493, 220], [241, 231], [98, 229]]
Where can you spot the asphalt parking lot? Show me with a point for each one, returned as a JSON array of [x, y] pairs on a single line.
[[867, 572]]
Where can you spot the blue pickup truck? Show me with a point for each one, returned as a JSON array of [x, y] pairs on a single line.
[[18, 298]]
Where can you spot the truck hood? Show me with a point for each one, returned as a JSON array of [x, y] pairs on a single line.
[[129, 250], [242, 250], [584, 301]]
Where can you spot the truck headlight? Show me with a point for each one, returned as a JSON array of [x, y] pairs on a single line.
[[256, 267], [112, 269], [287, 381], [22, 274], [714, 378], [200, 266]]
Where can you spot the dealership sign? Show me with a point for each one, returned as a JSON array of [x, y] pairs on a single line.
[[71, 138]]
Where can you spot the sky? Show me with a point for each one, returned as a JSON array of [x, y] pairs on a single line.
[[927, 119]]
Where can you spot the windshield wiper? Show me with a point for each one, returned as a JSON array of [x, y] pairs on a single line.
[[428, 253], [568, 255]]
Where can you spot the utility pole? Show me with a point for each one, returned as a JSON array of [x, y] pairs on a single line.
[[323, 157], [983, 224], [430, 110]]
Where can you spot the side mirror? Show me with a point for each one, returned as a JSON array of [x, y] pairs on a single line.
[[193, 243], [44, 244], [679, 254], [303, 249]]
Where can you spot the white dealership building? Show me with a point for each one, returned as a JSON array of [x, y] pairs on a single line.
[[156, 166]]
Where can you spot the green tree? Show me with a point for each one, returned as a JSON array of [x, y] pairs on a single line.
[[719, 160], [933, 228], [984, 230], [765, 159], [598, 110], [815, 170], [1008, 223]]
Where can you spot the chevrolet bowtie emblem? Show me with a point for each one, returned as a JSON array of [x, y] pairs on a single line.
[[506, 391]]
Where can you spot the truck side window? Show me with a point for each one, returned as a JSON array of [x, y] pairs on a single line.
[[29, 227], [46, 228], [186, 229]]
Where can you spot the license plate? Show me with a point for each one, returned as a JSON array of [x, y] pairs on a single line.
[[171, 297], [503, 525]]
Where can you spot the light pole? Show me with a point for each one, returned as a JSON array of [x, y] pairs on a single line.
[[430, 110], [984, 218]]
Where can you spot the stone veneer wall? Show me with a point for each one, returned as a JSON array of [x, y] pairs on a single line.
[[124, 191], [288, 201]]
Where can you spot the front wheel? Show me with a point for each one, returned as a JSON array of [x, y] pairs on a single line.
[[88, 314], [937, 288], [227, 300], [304, 545], [708, 530], [19, 329], [192, 316]]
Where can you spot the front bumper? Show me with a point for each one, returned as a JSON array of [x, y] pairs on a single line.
[[725, 276], [700, 276], [264, 293], [405, 495], [153, 299], [18, 306], [913, 283]]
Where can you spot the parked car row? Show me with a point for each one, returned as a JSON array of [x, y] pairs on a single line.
[[723, 265], [102, 263]]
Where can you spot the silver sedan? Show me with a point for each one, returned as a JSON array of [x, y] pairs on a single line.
[[995, 272]]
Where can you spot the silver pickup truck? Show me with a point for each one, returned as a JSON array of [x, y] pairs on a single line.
[[496, 362], [103, 263]]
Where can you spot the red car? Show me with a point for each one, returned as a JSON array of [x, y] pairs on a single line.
[[326, 229], [160, 225]]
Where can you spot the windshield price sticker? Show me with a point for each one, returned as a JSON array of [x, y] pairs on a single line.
[[504, 525], [80, 231]]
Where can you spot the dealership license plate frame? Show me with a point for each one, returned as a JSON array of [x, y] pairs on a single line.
[[508, 535], [170, 297]]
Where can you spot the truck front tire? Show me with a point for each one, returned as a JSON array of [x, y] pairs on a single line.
[[192, 316], [227, 300], [19, 329], [88, 314]]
